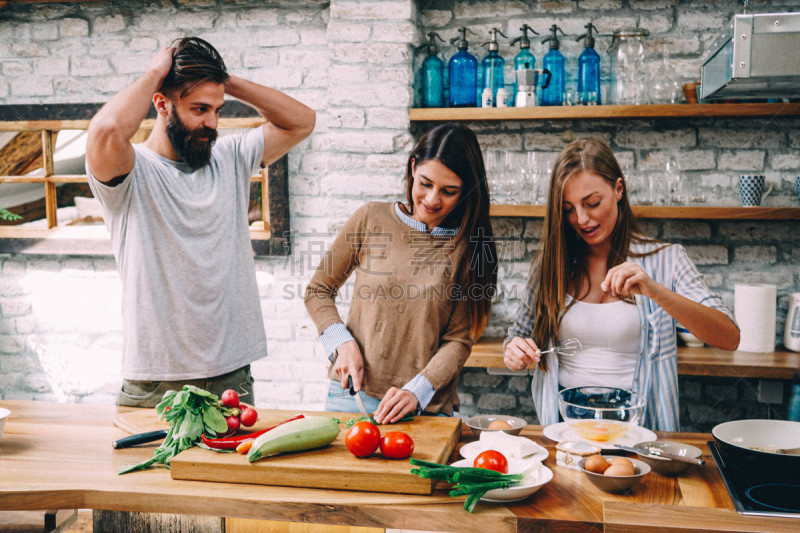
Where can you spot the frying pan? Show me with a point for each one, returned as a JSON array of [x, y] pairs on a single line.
[[753, 446]]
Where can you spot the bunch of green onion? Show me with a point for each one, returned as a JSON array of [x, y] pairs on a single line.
[[469, 481]]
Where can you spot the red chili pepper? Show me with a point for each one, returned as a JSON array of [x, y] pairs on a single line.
[[230, 443]]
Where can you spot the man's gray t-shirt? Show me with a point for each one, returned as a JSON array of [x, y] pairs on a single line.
[[190, 303]]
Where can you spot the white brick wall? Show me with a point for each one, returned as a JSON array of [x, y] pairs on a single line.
[[353, 61]]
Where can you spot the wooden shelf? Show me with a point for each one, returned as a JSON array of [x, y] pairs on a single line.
[[668, 212], [706, 361], [602, 112]]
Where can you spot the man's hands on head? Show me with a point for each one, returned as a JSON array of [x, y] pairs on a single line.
[[161, 63]]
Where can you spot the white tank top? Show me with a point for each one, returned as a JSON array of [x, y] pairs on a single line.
[[609, 334]]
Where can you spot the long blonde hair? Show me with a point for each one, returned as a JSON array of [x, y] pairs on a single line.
[[560, 263]]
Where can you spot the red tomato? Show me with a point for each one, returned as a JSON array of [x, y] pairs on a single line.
[[248, 416], [230, 398], [363, 438], [396, 445], [492, 460]]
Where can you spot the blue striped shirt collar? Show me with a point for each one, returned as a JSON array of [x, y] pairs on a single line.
[[412, 223]]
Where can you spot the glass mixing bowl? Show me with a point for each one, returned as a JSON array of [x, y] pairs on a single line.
[[600, 414]]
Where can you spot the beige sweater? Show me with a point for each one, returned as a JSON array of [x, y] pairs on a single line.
[[407, 313]]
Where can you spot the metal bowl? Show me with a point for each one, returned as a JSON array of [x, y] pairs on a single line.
[[617, 483], [753, 446], [479, 423], [600, 414], [662, 465]]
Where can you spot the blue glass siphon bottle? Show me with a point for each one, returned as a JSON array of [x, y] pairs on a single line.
[[524, 59], [588, 70], [553, 61], [432, 73], [463, 73], [492, 67]]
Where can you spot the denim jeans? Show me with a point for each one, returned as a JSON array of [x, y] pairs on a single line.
[[339, 400]]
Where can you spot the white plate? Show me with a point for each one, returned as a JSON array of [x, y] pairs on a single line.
[[532, 481], [561, 432], [472, 449]]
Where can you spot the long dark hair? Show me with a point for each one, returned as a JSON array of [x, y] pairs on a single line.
[[194, 61], [561, 258], [457, 148]]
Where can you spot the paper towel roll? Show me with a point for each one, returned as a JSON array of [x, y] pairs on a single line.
[[754, 307]]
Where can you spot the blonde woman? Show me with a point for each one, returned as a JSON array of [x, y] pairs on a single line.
[[598, 278]]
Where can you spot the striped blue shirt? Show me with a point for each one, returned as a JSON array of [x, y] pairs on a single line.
[[337, 334], [656, 374]]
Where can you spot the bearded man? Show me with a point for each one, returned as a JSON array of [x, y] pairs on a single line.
[[176, 207]]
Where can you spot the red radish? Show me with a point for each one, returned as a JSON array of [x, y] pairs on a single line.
[[230, 398], [248, 417]]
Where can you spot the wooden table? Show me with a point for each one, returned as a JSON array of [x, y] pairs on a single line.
[[705, 361], [59, 456]]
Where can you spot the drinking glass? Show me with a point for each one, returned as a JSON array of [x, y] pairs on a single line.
[[491, 158], [570, 95], [533, 178], [511, 177], [674, 183], [588, 98]]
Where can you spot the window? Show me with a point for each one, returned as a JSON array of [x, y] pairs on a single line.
[[46, 205]]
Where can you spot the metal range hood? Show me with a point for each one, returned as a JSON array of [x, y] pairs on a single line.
[[757, 57]]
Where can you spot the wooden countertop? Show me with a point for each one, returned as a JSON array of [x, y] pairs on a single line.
[[705, 361], [59, 456]]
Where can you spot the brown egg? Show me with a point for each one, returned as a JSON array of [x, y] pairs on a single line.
[[499, 424], [620, 466], [596, 464]]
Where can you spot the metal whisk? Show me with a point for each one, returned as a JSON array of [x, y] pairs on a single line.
[[567, 348]]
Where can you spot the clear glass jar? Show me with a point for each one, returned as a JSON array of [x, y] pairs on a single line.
[[628, 73], [664, 87]]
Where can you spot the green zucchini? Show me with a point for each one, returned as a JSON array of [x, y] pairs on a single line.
[[294, 436]]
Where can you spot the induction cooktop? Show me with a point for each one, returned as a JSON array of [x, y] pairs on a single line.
[[752, 495]]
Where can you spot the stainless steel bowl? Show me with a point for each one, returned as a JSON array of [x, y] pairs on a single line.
[[479, 423], [662, 465]]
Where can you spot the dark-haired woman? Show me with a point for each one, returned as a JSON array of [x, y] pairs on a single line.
[[425, 274], [596, 277]]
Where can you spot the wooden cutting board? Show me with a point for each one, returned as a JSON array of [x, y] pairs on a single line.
[[331, 467], [139, 421]]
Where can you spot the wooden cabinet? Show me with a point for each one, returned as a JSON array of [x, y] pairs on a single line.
[[605, 112]]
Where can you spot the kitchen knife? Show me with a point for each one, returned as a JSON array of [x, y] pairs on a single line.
[[658, 453], [357, 395], [139, 438]]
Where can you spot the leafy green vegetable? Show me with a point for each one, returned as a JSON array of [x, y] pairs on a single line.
[[474, 482], [190, 413]]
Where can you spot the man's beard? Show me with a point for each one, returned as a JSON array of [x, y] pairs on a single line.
[[187, 143]]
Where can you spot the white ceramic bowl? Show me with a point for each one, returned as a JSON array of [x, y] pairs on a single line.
[[687, 338], [533, 480], [480, 423], [3, 417]]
